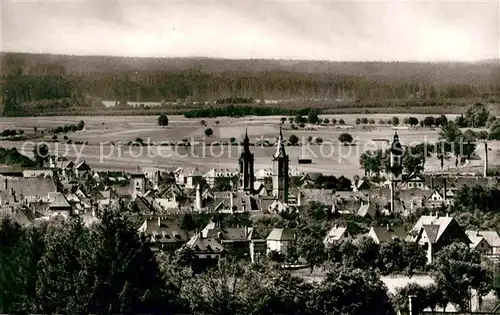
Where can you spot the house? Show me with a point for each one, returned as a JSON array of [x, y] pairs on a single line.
[[214, 175], [58, 204], [137, 184], [28, 189], [163, 233], [207, 249], [337, 235], [280, 240], [479, 243], [384, 234], [81, 168], [414, 182], [490, 237], [153, 174], [368, 209], [242, 242], [438, 198], [359, 185], [188, 178], [435, 232], [231, 202]]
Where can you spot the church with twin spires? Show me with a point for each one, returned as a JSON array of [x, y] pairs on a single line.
[[280, 175]]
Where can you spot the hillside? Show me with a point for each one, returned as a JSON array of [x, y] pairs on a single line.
[[36, 84]]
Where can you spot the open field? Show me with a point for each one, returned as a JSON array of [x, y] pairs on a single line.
[[330, 157]]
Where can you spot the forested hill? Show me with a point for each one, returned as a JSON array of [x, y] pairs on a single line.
[[41, 83]]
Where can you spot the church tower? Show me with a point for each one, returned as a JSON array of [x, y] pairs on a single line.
[[246, 167], [280, 171], [396, 169]]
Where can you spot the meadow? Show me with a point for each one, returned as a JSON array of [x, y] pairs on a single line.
[[106, 139]]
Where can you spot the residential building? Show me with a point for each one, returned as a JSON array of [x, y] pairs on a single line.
[[163, 233], [435, 232], [479, 238], [280, 240], [337, 235], [384, 234]]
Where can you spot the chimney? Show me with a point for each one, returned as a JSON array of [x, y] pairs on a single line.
[[485, 159], [159, 221], [336, 226], [388, 227], [432, 183], [6, 186], [299, 198], [412, 305]]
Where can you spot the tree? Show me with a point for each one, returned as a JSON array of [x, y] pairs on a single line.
[[326, 121], [441, 120], [318, 140], [309, 139], [395, 121], [341, 121], [209, 132], [299, 119], [457, 271], [345, 138], [313, 118], [41, 153], [283, 120], [35, 130], [203, 123], [477, 115], [163, 120], [371, 121], [381, 122], [293, 139], [412, 121], [364, 120], [358, 121], [81, 125], [334, 121], [339, 293], [229, 288], [312, 250]]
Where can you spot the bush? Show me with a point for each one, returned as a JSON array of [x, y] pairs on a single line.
[[209, 132], [163, 120], [345, 138], [293, 140]]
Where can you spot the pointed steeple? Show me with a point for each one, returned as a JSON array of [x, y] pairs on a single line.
[[246, 141], [280, 150]]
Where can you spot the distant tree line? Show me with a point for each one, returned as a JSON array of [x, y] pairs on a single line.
[[240, 111], [44, 83]]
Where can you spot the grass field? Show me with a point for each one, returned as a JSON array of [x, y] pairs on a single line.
[[331, 157]]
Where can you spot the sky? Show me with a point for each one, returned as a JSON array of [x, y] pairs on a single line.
[[316, 30]]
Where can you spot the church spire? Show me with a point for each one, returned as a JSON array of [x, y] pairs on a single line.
[[280, 150]]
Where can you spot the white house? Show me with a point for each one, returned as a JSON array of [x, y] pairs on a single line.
[[336, 235], [279, 240]]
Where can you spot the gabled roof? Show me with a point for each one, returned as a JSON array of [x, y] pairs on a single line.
[[335, 234], [431, 230], [57, 200], [206, 245], [31, 187], [163, 230], [367, 209], [385, 234], [442, 222], [281, 235], [491, 237]]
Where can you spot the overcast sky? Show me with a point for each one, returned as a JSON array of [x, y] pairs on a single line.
[[327, 30]]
